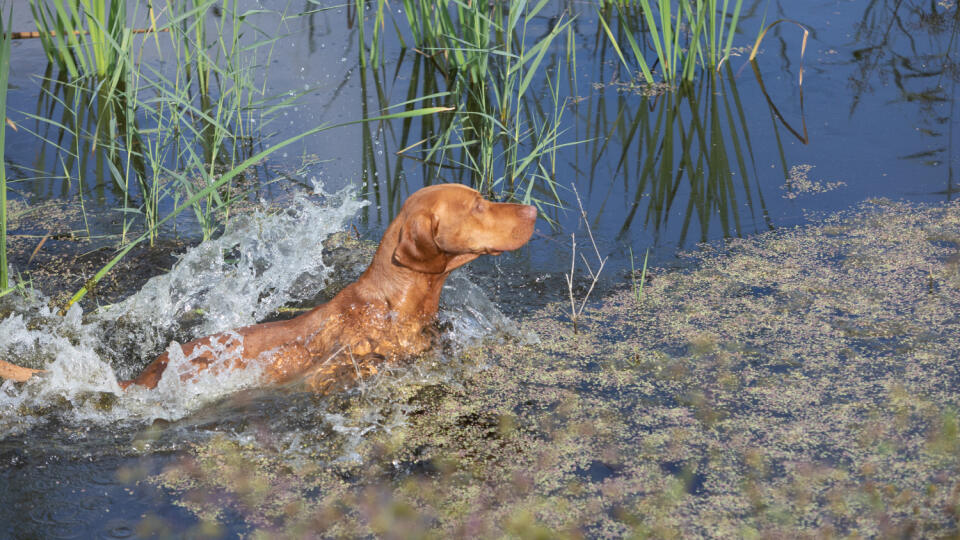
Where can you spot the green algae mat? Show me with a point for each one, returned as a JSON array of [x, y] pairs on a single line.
[[799, 383]]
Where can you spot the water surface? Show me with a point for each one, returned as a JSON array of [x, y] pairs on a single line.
[[736, 154]]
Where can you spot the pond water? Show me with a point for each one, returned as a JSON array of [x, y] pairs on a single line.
[[735, 155]]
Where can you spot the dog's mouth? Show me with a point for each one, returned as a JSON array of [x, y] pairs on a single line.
[[493, 252]]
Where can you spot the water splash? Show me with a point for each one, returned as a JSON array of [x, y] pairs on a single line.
[[260, 263]]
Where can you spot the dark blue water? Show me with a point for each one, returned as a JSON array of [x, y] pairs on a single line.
[[878, 94]]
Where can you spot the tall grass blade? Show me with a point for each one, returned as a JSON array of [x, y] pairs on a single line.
[[733, 27], [4, 76], [637, 54], [227, 177], [540, 49], [803, 43]]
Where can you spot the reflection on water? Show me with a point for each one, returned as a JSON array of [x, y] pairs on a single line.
[[709, 160], [689, 151], [877, 108], [913, 45]]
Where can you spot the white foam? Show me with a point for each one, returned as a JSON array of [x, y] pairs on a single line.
[[260, 263], [183, 388], [472, 316]]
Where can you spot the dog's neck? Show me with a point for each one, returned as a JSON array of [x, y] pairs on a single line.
[[387, 289], [399, 290]]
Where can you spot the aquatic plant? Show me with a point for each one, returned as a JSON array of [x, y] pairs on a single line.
[[146, 125], [477, 58], [143, 125], [84, 37], [4, 76], [706, 25], [801, 382], [638, 284]]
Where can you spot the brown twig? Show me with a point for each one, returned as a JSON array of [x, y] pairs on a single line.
[[595, 276], [40, 245], [35, 35]]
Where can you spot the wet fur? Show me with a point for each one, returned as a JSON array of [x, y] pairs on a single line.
[[386, 314]]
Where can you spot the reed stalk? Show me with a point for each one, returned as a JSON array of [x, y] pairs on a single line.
[[500, 134], [4, 76], [684, 34], [83, 37], [638, 285], [224, 179]]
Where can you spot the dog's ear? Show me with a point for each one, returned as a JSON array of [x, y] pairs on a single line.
[[417, 247]]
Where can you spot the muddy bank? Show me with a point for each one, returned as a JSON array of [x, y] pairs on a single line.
[[803, 382]]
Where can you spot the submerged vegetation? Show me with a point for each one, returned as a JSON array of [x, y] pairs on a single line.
[[798, 383]]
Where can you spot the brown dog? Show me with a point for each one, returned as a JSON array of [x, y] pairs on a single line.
[[384, 315]]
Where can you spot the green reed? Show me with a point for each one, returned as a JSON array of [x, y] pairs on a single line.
[[222, 120], [637, 285], [479, 58], [83, 37], [683, 33], [4, 76], [155, 126]]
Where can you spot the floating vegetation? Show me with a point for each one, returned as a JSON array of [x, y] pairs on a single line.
[[802, 382], [799, 183]]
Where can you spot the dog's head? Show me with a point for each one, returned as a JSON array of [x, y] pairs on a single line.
[[446, 226]]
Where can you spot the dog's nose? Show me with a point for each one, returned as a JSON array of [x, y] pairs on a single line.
[[528, 212]]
